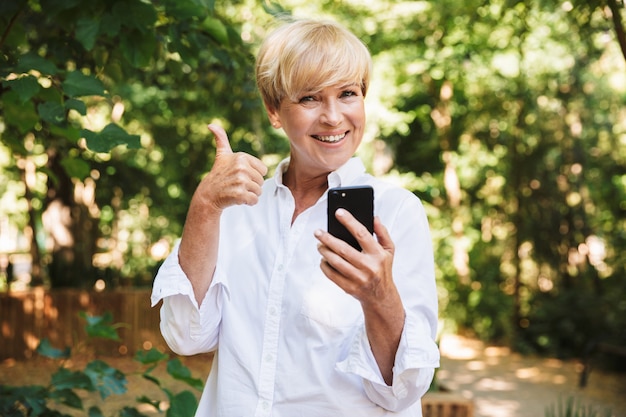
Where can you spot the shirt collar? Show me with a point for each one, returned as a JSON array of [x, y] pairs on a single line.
[[280, 170], [345, 175]]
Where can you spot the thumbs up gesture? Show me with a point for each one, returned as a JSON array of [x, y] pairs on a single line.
[[235, 178]]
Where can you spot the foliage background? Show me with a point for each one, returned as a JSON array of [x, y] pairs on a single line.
[[507, 118]]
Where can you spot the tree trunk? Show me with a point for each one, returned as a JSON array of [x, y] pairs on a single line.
[[619, 27], [71, 228], [27, 172]]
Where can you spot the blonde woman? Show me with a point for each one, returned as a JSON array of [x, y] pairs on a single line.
[[301, 323]]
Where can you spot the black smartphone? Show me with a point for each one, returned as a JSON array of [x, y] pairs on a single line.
[[358, 200]]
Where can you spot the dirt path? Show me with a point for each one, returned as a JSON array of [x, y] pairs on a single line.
[[500, 383], [504, 384]]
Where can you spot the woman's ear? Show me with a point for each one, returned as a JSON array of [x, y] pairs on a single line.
[[272, 114]]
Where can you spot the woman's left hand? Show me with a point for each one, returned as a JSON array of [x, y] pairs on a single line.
[[365, 275]]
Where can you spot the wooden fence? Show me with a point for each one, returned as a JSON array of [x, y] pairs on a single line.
[[28, 317], [446, 404]]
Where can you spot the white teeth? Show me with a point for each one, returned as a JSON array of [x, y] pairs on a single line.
[[330, 139]]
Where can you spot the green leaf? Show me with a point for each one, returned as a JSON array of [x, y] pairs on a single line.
[[78, 84], [51, 112], [216, 29], [130, 412], [180, 372], [184, 9], [46, 349], [94, 412], [76, 167], [183, 404], [110, 137], [208, 4], [53, 8], [151, 378], [16, 113], [150, 356], [75, 104], [136, 14], [66, 131], [188, 51], [26, 87], [67, 397], [87, 29], [138, 48], [275, 9], [32, 398], [100, 326], [110, 25], [66, 379], [32, 61], [146, 400], [106, 380]]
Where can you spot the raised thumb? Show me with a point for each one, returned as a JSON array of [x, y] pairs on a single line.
[[222, 145]]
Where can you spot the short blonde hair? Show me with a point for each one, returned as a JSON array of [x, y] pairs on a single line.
[[307, 55]]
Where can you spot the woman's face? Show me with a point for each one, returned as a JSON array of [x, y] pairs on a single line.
[[324, 128]]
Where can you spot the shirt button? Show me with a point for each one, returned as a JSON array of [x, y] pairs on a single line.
[[265, 405], [273, 311], [280, 267]]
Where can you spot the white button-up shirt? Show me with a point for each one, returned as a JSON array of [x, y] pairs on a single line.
[[288, 342]]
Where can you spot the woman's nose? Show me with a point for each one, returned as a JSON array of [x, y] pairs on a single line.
[[331, 113]]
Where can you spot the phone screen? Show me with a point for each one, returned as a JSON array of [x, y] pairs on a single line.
[[358, 200]]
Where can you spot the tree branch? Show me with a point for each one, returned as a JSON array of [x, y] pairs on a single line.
[[619, 27], [8, 28]]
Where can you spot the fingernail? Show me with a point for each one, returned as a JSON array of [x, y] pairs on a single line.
[[340, 212], [317, 233]]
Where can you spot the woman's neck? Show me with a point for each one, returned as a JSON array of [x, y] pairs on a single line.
[[305, 191]]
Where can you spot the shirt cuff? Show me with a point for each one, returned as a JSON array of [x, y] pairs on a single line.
[[186, 326], [172, 280], [416, 358]]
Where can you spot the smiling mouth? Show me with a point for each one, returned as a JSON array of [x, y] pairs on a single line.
[[331, 138]]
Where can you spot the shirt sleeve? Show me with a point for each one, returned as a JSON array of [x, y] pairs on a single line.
[[187, 328], [417, 355]]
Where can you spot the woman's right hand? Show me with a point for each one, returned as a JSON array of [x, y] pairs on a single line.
[[236, 178]]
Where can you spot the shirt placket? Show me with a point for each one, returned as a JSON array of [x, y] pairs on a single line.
[[273, 312]]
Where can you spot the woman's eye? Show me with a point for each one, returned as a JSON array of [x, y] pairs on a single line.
[[348, 93], [306, 99]]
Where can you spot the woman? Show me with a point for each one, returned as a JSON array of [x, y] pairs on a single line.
[[301, 323]]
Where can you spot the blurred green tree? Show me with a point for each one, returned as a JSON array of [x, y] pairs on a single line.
[[95, 97], [506, 117], [510, 114]]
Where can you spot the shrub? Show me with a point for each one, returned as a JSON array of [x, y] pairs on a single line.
[[99, 377]]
